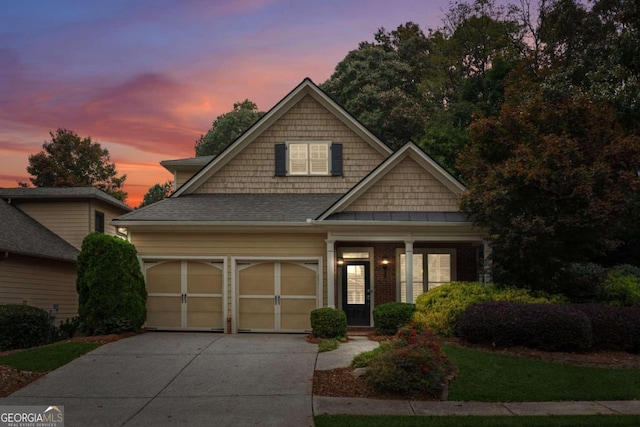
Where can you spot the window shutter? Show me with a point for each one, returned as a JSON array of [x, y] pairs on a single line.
[[336, 159], [281, 159]]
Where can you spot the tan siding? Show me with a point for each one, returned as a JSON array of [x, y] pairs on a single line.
[[183, 176], [69, 220], [232, 244], [408, 187], [252, 170], [39, 283], [109, 212]]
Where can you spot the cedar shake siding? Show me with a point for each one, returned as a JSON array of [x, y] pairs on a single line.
[[252, 170]]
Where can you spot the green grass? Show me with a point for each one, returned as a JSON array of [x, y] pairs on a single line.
[[424, 421], [328, 344], [361, 360], [489, 377], [47, 358]]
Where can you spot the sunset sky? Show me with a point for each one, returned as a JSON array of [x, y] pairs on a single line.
[[146, 78]]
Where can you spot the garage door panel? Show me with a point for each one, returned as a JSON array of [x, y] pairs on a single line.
[[164, 278], [256, 313], [203, 278], [204, 312], [257, 279], [297, 280], [295, 313], [164, 311]]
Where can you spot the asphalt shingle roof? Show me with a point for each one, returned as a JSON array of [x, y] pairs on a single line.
[[60, 193], [21, 234], [235, 207], [399, 216]]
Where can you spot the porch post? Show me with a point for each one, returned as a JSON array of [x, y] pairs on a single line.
[[486, 264], [331, 277], [408, 268]]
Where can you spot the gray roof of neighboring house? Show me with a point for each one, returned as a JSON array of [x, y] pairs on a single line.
[[61, 193], [399, 216], [235, 207], [21, 234], [189, 161]]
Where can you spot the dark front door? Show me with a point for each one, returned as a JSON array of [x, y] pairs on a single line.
[[356, 298]]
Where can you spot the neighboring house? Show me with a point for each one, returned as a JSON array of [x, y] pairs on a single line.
[[41, 232], [306, 209]]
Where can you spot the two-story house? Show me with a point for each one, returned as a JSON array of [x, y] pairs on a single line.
[[41, 233], [306, 209]]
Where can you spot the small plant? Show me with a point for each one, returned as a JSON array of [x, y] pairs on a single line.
[[388, 318], [412, 365], [328, 323], [69, 327], [363, 359], [327, 344], [23, 326]]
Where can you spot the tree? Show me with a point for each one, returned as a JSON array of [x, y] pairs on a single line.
[[156, 193], [70, 161], [551, 182], [227, 127], [111, 290], [379, 84]]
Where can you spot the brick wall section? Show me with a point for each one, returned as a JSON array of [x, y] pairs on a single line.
[[408, 187], [253, 169]]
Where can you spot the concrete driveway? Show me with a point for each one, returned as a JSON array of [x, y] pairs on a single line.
[[165, 378]]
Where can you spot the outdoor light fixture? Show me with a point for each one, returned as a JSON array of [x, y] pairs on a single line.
[[340, 261], [385, 264]]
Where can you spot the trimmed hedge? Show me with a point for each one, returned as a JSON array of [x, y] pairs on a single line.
[[551, 327], [328, 323], [439, 308], [23, 326], [388, 318], [111, 289], [614, 328]]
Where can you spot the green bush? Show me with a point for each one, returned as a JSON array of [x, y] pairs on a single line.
[[111, 290], [580, 282], [620, 289], [388, 318], [23, 326], [328, 323], [412, 365], [438, 309]]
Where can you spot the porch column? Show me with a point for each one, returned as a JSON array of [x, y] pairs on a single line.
[[408, 268], [331, 274], [486, 263]]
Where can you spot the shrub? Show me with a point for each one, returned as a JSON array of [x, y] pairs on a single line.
[[111, 289], [328, 323], [614, 328], [69, 327], [580, 281], [620, 288], [625, 270], [387, 318], [551, 327], [439, 308], [23, 326], [413, 365]]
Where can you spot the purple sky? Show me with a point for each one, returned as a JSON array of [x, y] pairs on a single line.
[[146, 78]]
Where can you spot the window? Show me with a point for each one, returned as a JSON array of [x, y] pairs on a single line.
[[431, 268], [99, 222], [308, 158]]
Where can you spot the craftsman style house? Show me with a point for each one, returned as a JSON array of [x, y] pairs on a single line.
[[306, 209]]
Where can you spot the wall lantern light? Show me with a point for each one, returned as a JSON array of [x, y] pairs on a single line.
[[385, 265], [340, 261]]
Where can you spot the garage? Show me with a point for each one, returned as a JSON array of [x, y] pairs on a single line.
[[276, 296], [185, 295]]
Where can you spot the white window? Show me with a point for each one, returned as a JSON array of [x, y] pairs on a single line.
[[308, 158], [431, 268]]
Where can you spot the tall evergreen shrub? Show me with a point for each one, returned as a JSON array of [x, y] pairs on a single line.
[[111, 289]]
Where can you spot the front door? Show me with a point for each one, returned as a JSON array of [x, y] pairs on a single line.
[[356, 298]]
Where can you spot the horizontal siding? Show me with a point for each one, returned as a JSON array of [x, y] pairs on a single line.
[[183, 176], [69, 220], [39, 283], [408, 187], [110, 213], [252, 170]]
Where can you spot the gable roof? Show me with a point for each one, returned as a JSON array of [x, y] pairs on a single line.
[[232, 208], [23, 235], [409, 150], [61, 193], [188, 163], [306, 88]]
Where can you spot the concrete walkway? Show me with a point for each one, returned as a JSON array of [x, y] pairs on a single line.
[[343, 356]]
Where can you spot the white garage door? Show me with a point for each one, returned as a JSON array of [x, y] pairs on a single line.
[[276, 296], [185, 295]]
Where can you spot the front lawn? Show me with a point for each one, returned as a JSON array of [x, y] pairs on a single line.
[[490, 377], [48, 357]]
